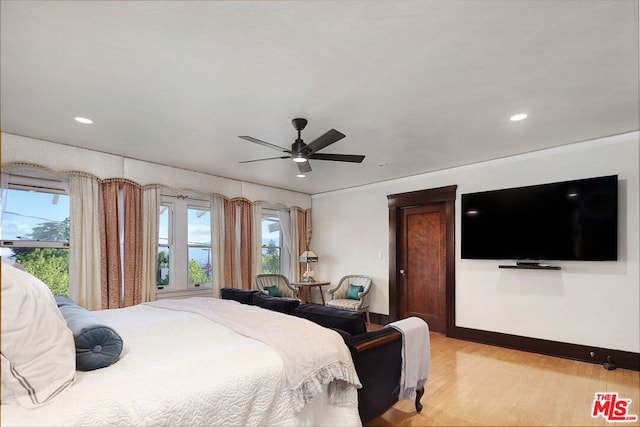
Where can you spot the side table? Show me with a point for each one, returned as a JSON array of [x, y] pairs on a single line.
[[305, 290]]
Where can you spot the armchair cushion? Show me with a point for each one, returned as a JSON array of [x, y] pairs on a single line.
[[353, 291], [351, 322]]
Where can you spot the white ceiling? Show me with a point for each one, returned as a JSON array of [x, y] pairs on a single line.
[[416, 86]]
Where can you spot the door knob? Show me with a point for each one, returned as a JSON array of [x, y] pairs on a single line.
[[402, 272]]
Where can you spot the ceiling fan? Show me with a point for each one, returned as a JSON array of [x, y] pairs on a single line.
[[301, 153]]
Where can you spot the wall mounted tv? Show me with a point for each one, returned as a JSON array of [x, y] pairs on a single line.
[[571, 220]]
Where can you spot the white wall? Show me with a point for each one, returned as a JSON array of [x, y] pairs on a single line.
[[62, 158], [589, 303]]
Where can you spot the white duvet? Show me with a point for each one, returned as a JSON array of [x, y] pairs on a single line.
[[181, 369]]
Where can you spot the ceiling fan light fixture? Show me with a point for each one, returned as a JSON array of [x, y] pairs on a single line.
[[301, 175], [299, 158]]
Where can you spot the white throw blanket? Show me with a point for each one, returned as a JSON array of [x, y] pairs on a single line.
[[416, 354], [312, 355]]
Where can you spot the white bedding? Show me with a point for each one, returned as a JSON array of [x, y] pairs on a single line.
[[312, 355], [178, 369]]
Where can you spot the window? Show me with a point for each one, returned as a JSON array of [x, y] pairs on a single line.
[[34, 229], [271, 242], [184, 244]]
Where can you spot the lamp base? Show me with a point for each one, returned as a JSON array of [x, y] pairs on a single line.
[[308, 276]]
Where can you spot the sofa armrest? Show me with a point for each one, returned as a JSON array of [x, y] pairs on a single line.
[[377, 356], [374, 339]]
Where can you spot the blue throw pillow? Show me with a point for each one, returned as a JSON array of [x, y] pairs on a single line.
[[353, 291], [97, 344], [273, 291]]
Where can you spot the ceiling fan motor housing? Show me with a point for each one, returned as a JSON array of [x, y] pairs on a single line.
[[298, 146]]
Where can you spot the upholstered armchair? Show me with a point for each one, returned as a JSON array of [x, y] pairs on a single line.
[[351, 293], [276, 285]]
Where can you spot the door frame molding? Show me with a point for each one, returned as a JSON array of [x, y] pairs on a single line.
[[397, 202]]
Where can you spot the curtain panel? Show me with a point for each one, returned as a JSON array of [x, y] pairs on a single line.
[[218, 243], [255, 243], [150, 210], [238, 257], [304, 238], [121, 244], [84, 241]]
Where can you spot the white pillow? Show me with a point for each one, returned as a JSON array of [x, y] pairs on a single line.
[[38, 351], [12, 262]]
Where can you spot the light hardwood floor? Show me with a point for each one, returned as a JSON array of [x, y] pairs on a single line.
[[473, 384]]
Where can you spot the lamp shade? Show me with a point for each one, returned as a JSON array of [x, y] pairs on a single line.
[[308, 256]]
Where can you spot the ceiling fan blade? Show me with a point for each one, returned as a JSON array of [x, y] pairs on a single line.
[[268, 158], [353, 158], [304, 167], [327, 139], [264, 143]]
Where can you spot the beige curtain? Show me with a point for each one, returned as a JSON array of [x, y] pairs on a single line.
[[121, 240], [304, 237], [218, 240], [84, 241], [150, 209], [229, 240], [256, 241], [244, 243], [295, 245]]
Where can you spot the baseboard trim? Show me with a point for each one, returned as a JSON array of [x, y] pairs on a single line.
[[379, 319], [622, 359]]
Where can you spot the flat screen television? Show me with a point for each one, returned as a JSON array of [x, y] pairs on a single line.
[[571, 220]]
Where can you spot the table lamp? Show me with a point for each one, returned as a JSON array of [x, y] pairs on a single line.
[[308, 257]]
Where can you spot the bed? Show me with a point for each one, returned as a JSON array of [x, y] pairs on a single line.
[[180, 365]]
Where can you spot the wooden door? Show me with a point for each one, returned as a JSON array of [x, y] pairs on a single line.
[[427, 288], [423, 264]]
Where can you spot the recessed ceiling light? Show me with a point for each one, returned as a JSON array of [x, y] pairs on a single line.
[[300, 175], [518, 117], [83, 120]]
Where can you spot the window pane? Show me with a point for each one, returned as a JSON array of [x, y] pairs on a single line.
[[163, 225], [162, 275], [271, 236], [270, 231], [50, 265], [199, 265], [270, 259], [199, 227], [35, 215]]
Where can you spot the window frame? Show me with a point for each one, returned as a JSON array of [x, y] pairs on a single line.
[[178, 244], [40, 185], [23, 183], [272, 215]]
